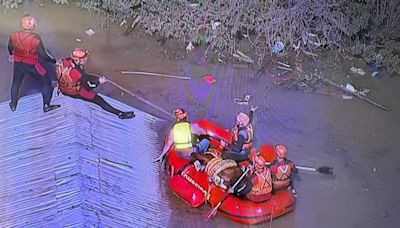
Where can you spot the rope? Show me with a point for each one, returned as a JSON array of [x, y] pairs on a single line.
[[138, 97]]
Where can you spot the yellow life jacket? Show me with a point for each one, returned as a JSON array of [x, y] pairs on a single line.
[[182, 135]]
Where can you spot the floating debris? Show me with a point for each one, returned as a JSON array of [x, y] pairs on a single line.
[[357, 71], [209, 79], [90, 32], [244, 101]]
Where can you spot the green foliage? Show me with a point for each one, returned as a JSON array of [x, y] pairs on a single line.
[[11, 4], [373, 35], [360, 12], [221, 24]]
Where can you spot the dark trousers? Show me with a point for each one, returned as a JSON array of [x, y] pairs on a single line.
[[22, 69], [238, 157], [99, 101]]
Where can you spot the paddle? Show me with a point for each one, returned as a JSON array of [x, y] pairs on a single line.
[[213, 211], [322, 169]]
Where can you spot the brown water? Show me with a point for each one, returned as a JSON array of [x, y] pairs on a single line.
[[360, 141]]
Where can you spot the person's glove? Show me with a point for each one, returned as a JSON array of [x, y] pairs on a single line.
[[251, 167], [11, 58], [102, 79], [197, 165], [253, 108]]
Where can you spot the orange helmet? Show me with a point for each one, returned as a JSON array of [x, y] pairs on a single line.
[[80, 55], [243, 119], [180, 113], [28, 23], [259, 162], [280, 151]]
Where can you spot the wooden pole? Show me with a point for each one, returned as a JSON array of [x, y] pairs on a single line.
[[357, 94]]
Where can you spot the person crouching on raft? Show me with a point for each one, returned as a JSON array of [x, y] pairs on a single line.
[[183, 136], [258, 187]]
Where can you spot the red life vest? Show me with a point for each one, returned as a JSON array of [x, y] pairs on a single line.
[[66, 84], [25, 49], [250, 135], [263, 183], [282, 177]]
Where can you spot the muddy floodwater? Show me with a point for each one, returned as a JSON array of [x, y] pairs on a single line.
[[359, 140]]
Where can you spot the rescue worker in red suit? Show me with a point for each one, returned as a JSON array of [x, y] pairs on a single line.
[[74, 82], [25, 48], [242, 135], [183, 136], [258, 187], [282, 169]]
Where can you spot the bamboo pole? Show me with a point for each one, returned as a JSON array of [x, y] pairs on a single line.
[[357, 94]]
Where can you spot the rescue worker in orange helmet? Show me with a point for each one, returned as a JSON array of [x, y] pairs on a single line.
[[183, 136], [25, 48], [258, 187], [74, 82], [282, 169], [242, 135]]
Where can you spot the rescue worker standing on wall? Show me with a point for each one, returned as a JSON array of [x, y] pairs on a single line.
[[25, 47], [282, 169], [183, 136], [74, 82], [258, 187], [242, 135]]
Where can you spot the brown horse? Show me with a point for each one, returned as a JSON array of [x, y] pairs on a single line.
[[223, 173]]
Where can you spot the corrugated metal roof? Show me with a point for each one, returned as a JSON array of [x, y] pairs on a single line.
[[78, 166]]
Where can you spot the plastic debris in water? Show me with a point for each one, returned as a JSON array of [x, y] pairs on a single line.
[[350, 87], [244, 101], [90, 32], [346, 97], [209, 79], [278, 47], [189, 47], [357, 70]]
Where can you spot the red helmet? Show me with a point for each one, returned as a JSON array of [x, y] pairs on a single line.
[[180, 114], [280, 151], [243, 119], [80, 55], [28, 23]]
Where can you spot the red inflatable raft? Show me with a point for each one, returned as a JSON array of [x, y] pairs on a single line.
[[192, 186], [194, 189], [248, 212]]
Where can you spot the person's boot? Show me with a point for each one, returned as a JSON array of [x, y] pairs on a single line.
[[295, 194], [48, 108], [126, 115], [13, 107]]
